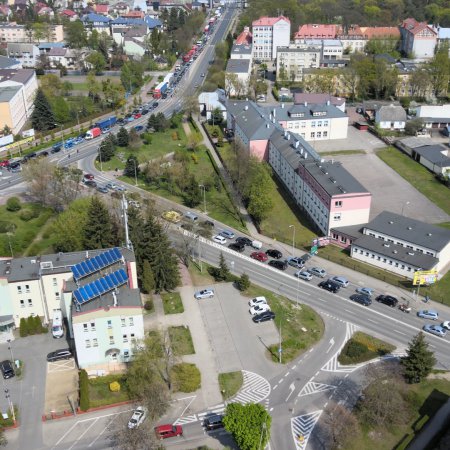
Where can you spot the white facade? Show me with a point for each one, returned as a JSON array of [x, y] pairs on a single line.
[[281, 35], [268, 34], [296, 57], [27, 54], [11, 32]]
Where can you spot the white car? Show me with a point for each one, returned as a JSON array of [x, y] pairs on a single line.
[[303, 275], [219, 239], [205, 293], [446, 324], [258, 309], [257, 301], [139, 415]]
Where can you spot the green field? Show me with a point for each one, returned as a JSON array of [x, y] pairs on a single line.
[[100, 394], [181, 341], [172, 303], [418, 176], [230, 383]]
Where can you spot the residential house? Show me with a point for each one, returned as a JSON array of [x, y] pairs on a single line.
[[210, 101], [293, 59], [133, 41], [27, 54], [245, 38], [434, 116], [269, 33], [71, 59], [402, 245], [443, 37], [97, 22], [370, 107], [12, 32], [237, 76], [133, 15], [418, 39], [319, 99], [45, 11], [101, 8], [390, 117], [17, 91], [314, 31], [241, 52], [69, 14], [9, 63], [45, 47], [352, 38]]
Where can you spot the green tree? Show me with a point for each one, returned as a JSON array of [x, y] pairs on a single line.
[[84, 390], [23, 327], [223, 271], [413, 126], [419, 360], [439, 70], [132, 75], [131, 167], [152, 122], [147, 278], [75, 34], [161, 122], [97, 62], [42, 117], [257, 193], [122, 137], [106, 149], [13, 204], [94, 87], [60, 110], [31, 325], [249, 424], [243, 282], [93, 40], [97, 232], [192, 194]]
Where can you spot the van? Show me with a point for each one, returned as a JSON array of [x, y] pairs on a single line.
[[191, 216], [57, 324], [256, 244], [213, 422], [7, 369]]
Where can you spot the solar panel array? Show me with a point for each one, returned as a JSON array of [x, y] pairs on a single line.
[[92, 265], [100, 286]]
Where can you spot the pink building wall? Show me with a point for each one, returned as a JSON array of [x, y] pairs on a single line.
[[351, 202], [260, 149]]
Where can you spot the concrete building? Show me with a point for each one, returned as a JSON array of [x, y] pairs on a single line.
[[237, 76], [269, 33], [390, 117], [209, 101], [242, 51], [315, 31], [97, 22], [402, 245], [434, 116], [245, 38], [319, 99], [17, 91], [9, 63], [295, 58], [418, 39], [12, 32], [27, 54]]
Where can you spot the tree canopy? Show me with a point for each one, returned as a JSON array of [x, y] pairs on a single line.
[[42, 117], [419, 360]]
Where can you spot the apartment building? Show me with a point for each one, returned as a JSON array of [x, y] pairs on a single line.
[[294, 58], [237, 76], [315, 31], [269, 33], [242, 51], [418, 39], [27, 54], [12, 32]]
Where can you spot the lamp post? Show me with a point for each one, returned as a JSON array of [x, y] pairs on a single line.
[[10, 350], [135, 172], [11, 406], [202, 186], [293, 238], [404, 205]]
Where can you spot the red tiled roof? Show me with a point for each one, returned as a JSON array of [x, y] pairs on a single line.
[[133, 15], [244, 38], [101, 8], [380, 32], [420, 27], [68, 12], [268, 21], [314, 31], [352, 30]]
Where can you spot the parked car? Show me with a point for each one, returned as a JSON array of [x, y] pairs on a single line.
[[303, 275], [213, 422], [365, 290], [295, 261], [446, 324], [58, 355], [274, 253], [361, 298], [438, 330], [258, 309], [90, 183], [102, 189], [280, 265], [329, 286], [191, 216], [259, 256], [227, 234], [168, 431], [88, 176], [318, 272], [261, 300], [111, 186], [387, 300], [208, 223], [138, 416], [7, 369], [237, 247], [264, 317], [343, 282], [244, 240], [137, 116], [120, 188], [139, 128], [219, 239], [205, 293], [428, 314]]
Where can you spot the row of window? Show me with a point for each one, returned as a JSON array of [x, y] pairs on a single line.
[[88, 343], [27, 289], [123, 322], [401, 244], [303, 123], [385, 260]]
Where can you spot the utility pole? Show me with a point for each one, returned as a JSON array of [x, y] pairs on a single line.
[[280, 350]]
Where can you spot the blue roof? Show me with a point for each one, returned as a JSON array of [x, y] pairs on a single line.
[[152, 23], [95, 18], [125, 21], [444, 33]]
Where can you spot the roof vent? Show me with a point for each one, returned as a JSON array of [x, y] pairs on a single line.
[[411, 253], [267, 125], [246, 107], [332, 180], [282, 105], [395, 251], [386, 245], [409, 228], [429, 234], [8, 271], [296, 144], [391, 222], [8, 263], [322, 160]]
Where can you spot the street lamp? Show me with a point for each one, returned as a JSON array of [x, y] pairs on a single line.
[[10, 350], [403, 207], [202, 186], [11, 407], [135, 172], [293, 238]]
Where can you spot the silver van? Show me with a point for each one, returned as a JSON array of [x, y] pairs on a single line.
[[191, 216]]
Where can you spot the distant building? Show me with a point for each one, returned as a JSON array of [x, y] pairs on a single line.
[[434, 116], [12, 32], [9, 63], [241, 52], [319, 99], [418, 39], [245, 38], [268, 33], [315, 31], [209, 101], [293, 59], [27, 54], [390, 117], [237, 76]]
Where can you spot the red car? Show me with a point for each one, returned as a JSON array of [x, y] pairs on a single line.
[[4, 163], [259, 256], [137, 116], [167, 431]]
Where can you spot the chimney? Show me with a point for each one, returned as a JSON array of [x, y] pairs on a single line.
[[328, 103], [246, 107], [296, 144], [87, 254], [115, 298], [282, 105], [306, 103], [274, 113]]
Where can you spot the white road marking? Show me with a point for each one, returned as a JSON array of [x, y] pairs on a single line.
[[373, 321], [399, 332], [82, 434]]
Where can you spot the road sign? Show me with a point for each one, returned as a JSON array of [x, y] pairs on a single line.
[[424, 277], [313, 250]]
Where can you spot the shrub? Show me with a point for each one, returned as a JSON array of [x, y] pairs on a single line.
[[84, 390], [6, 226], [148, 305], [243, 283], [26, 215], [13, 204], [186, 377], [114, 386], [194, 158], [23, 329], [175, 136], [355, 349], [31, 325]]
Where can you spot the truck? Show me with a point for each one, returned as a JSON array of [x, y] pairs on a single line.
[[93, 133], [187, 57], [212, 21], [106, 123], [206, 29], [168, 79], [160, 89]]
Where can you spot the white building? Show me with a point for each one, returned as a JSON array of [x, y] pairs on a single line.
[[434, 116], [241, 52], [237, 76], [27, 54], [12, 32], [269, 33], [390, 117], [209, 101], [293, 59]]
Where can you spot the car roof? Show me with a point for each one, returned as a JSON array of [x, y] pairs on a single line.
[[167, 427]]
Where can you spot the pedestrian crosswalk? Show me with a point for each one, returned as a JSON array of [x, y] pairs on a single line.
[[255, 389], [314, 388], [302, 427]]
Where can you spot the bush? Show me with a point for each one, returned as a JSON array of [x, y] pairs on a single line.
[[175, 136], [243, 283], [37, 325], [26, 215], [23, 329], [355, 349], [114, 386], [186, 377], [6, 226], [84, 390], [13, 204], [31, 325], [148, 305]]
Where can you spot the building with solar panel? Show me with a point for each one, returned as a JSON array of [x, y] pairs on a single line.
[[97, 293]]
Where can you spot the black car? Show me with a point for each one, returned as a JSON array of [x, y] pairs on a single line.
[[155, 105], [121, 122], [244, 240], [361, 298], [102, 189], [208, 223], [237, 247], [274, 253], [58, 355], [330, 286], [387, 300], [213, 422], [280, 265], [264, 317], [90, 183], [144, 112], [7, 369], [42, 154]]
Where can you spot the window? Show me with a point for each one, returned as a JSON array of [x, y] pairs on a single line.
[[55, 282], [131, 321], [87, 343], [94, 343], [125, 338], [122, 320], [319, 134], [126, 354], [109, 324], [57, 295], [338, 203], [27, 288], [313, 124], [22, 303], [313, 135], [19, 289], [111, 340], [337, 216], [30, 302], [92, 326], [133, 337], [85, 327], [335, 236], [325, 134]]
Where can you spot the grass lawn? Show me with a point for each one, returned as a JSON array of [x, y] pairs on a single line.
[[301, 326], [426, 398], [23, 232], [181, 341], [418, 176], [230, 383], [439, 291], [363, 347], [100, 395], [172, 303], [200, 278]]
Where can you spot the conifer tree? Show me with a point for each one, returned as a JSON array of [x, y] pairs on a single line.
[[42, 117], [419, 360], [97, 231]]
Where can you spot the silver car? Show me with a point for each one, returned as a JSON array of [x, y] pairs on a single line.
[[318, 272], [304, 275]]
